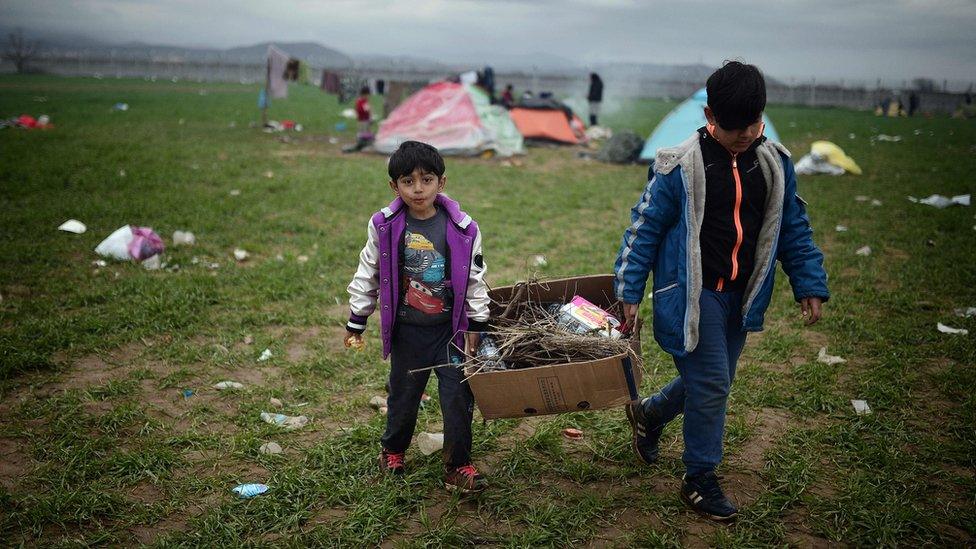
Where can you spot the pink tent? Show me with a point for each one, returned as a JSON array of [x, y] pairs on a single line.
[[455, 118]]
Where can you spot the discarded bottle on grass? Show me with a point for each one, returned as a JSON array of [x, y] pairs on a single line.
[[250, 490], [489, 350], [428, 443]]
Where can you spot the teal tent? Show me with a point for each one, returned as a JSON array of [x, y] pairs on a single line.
[[680, 123]]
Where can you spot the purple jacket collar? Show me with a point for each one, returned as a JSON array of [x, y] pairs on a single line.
[[453, 209]]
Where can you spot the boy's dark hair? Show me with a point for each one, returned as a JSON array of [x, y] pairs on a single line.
[[412, 155], [736, 95], [364, 90]]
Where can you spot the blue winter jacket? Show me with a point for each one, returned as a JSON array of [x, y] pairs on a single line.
[[664, 238]]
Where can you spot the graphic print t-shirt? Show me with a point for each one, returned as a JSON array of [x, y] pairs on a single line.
[[426, 296]]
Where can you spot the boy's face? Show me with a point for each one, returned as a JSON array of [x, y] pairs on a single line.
[[736, 141], [418, 190]]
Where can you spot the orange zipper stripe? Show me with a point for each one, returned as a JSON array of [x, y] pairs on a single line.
[[735, 216]]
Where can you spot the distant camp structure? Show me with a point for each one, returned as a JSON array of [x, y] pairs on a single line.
[[681, 122], [546, 119], [456, 118]]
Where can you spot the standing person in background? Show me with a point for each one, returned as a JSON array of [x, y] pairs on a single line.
[[364, 115], [595, 96], [508, 99]]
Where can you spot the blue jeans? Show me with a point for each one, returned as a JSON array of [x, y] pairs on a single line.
[[705, 376]]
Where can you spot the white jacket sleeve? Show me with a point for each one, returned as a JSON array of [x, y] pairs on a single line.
[[365, 285], [477, 300]]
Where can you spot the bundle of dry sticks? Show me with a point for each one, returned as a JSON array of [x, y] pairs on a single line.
[[528, 333]]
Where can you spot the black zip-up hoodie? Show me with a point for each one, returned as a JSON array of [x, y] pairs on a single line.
[[733, 214]]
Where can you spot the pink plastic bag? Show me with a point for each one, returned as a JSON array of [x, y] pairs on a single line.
[[145, 243]]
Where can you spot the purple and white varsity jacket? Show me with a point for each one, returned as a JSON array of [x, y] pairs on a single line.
[[378, 277]]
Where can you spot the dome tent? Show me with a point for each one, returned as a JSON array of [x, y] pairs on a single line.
[[456, 118], [548, 120], [681, 122]]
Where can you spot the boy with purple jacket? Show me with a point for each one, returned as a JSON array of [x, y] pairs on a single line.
[[422, 262]]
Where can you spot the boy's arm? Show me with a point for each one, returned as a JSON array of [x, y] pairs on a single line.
[[801, 259], [365, 285], [476, 300], [655, 212]]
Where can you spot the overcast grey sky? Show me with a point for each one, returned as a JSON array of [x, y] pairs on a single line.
[[864, 40]]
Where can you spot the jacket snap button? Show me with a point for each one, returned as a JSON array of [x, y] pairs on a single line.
[[384, 254], [382, 228], [386, 306], [385, 280]]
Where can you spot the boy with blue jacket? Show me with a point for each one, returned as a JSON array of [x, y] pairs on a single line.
[[718, 212]]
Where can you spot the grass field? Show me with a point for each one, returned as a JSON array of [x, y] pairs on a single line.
[[98, 446]]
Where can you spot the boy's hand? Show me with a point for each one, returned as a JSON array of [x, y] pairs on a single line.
[[811, 308], [471, 342], [630, 315], [354, 340]]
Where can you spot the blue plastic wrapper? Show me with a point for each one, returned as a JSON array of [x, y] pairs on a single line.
[[250, 490]]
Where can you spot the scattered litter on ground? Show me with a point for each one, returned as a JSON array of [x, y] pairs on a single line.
[[28, 122], [950, 330], [340, 126], [851, 136], [241, 255], [830, 360], [349, 113], [885, 137], [99, 263], [121, 173], [235, 192], [224, 385], [265, 355], [428, 443], [73, 226], [276, 402], [120, 107], [302, 258], [939, 201], [232, 124], [333, 141], [875, 202], [539, 261], [599, 132], [154, 263], [131, 242], [187, 393], [250, 490], [269, 174], [865, 251], [289, 423], [966, 312], [572, 434], [861, 407], [841, 228], [248, 339], [377, 402], [270, 448], [826, 158], [861, 198], [181, 238]]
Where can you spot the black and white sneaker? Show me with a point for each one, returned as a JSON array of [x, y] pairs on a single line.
[[646, 436], [703, 494]]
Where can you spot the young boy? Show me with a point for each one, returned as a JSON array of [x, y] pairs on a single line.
[[717, 213], [423, 262], [364, 116]]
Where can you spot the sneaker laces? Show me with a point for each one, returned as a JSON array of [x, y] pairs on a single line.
[[708, 486], [393, 461], [467, 470]]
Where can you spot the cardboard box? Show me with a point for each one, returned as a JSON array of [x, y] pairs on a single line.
[[560, 388]]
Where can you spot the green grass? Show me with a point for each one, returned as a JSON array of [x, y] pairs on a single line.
[[99, 447]]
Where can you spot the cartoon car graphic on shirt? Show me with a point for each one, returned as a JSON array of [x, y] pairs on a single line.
[[422, 298]]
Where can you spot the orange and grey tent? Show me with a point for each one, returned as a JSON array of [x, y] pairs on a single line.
[[549, 122]]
